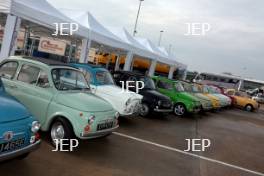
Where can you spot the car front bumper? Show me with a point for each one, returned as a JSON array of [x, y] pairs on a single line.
[[19, 152], [196, 109], [207, 108], [98, 134], [163, 110]]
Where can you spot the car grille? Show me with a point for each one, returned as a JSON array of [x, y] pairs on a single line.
[[165, 104]]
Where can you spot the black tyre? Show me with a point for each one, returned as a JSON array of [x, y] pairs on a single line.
[[144, 111], [249, 108], [60, 129], [180, 110]]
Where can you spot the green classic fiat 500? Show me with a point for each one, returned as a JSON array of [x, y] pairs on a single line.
[[183, 101], [59, 97]]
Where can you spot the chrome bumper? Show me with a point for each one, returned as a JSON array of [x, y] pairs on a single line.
[[130, 115], [163, 110], [98, 134], [208, 108], [19, 152], [196, 110]]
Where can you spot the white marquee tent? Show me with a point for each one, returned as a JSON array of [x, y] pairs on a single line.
[[39, 12], [90, 30], [98, 33], [139, 49]]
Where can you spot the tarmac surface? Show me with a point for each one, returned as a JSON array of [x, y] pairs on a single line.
[[154, 147]]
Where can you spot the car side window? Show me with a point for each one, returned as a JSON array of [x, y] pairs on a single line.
[[29, 74], [43, 80], [230, 93], [164, 85], [8, 69], [161, 85], [87, 75]]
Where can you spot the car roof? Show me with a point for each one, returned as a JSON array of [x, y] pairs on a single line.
[[131, 73], [166, 79], [88, 66], [42, 61]]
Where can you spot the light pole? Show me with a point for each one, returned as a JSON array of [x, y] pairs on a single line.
[[135, 28], [160, 37], [170, 47]]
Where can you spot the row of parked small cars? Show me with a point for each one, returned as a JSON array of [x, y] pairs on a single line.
[[85, 101]]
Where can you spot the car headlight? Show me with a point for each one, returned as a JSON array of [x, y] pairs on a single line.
[[128, 101], [91, 119], [35, 126], [159, 103]]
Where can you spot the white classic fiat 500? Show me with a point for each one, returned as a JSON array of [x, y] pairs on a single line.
[[127, 103]]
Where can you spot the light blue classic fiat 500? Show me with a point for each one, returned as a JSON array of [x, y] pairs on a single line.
[[18, 129]]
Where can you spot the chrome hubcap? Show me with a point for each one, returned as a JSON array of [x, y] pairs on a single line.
[[249, 108], [57, 132], [144, 110], [179, 110]]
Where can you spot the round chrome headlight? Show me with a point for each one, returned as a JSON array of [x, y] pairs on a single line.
[[35, 126], [159, 103], [91, 119]]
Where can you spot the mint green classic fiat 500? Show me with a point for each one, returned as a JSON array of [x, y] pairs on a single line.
[[59, 97]]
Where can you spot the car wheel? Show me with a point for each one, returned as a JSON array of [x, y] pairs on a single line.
[[179, 110], [60, 129], [144, 111], [249, 108]]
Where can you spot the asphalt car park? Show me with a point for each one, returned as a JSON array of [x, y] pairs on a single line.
[[154, 146]]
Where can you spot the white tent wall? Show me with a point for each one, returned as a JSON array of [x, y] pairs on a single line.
[[39, 12], [10, 36], [172, 70]]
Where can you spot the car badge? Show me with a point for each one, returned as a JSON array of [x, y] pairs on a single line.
[[8, 135]]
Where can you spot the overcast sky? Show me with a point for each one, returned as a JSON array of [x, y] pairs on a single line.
[[234, 44]]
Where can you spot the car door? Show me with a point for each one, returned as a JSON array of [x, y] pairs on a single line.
[[8, 71], [34, 90]]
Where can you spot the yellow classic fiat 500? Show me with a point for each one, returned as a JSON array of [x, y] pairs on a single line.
[[242, 100]]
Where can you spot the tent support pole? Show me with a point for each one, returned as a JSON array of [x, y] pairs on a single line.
[[184, 75], [9, 43], [85, 50], [172, 70], [109, 59], [117, 63], [128, 62], [152, 68]]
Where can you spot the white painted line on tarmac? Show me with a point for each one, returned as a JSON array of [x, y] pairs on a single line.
[[187, 153]]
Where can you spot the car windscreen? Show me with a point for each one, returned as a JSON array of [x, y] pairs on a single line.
[[205, 89], [104, 78], [212, 90], [187, 87], [196, 89], [69, 79], [148, 83], [165, 85], [178, 86]]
